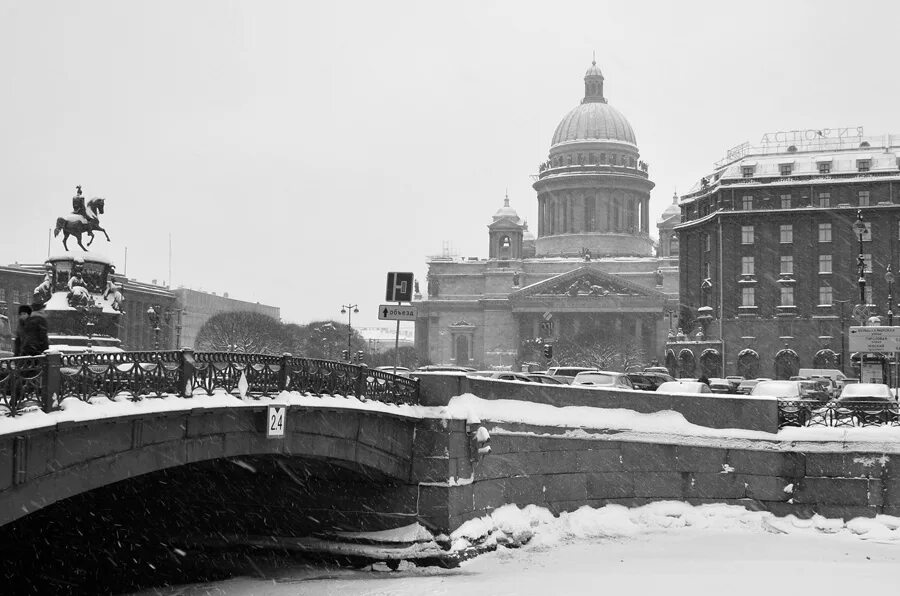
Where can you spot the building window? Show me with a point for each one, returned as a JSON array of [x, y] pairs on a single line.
[[825, 232], [746, 234], [787, 233], [747, 171], [867, 259], [824, 199], [707, 242], [706, 271], [824, 263], [825, 167], [785, 201], [748, 296], [787, 264], [784, 328], [2, 294], [747, 202], [746, 265], [825, 295], [787, 295], [863, 198], [786, 169], [863, 165]]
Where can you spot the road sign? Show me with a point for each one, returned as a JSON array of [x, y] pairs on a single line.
[[393, 312], [874, 339], [399, 287], [275, 419]]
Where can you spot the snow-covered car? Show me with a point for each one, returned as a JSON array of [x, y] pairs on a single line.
[[602, 379], [683, 387], [503, 375], [401, 371], [648, 381], [544, 379], [866, 392], [787, 389], [567, 373]]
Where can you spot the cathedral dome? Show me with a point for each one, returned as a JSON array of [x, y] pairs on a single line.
[[671, 210], [506, 212], [593, 119]]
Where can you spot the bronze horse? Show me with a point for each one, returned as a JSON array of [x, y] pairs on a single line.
[[76, 225]]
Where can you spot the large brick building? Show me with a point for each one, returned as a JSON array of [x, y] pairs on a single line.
[[768, 249], [591, 271], [183, 311]]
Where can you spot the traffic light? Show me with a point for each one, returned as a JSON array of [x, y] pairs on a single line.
[[345, 355], [359, 356], [548, 351]]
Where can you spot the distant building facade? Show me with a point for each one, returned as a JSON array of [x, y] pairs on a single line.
[[590, 271], [182, 311], [197, 307], [768, 250]]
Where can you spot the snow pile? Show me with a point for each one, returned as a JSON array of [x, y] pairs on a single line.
[[535, 526]]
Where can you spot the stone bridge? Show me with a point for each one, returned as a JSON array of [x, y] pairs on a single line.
[[364, 451]]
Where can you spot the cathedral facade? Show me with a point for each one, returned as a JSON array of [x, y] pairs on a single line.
[[592, 271]]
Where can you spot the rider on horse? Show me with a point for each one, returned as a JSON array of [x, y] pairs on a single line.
[[78, 206]]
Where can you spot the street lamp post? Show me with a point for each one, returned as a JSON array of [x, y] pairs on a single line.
[[860, 229], [842, 303], [349, 309], [154, 313], [889, 278]]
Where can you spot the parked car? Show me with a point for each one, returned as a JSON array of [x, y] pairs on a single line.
[[544, 379], [657, 369], [681, 386], [503, 375], [567, 373], [401, 371], [718, 385], [602, 378], [787, 389], [648, 381], [747, 385], [866, 392], [444, 368], [735, 381]]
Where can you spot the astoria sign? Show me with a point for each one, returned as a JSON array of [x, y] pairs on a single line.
[[811, 134]]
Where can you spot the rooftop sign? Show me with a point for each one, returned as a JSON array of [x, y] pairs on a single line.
[[811, 134]]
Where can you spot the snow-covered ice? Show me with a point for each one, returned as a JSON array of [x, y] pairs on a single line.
[[666, 548]]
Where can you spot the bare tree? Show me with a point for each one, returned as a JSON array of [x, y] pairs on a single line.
[[243, 331], [324, 339]]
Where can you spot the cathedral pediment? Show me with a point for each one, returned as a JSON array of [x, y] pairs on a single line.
[[586, 282]]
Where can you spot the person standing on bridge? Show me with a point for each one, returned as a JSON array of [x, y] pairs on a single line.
[[31, 332]]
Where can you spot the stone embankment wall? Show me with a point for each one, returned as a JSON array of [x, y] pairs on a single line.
[[710, 410], [564, 469]]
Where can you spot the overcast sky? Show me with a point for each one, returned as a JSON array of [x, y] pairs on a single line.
[[298, 151]]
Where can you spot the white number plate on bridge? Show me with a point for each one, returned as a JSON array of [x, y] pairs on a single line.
[[275, 420]]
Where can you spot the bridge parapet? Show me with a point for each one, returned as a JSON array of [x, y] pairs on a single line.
[[45, 381]]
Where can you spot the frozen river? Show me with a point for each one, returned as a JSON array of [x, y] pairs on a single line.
[[666, 548]]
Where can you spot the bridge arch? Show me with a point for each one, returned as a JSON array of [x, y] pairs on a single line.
[[61, 461]]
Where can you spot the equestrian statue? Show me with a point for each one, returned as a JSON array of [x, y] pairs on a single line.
[[83, 219]]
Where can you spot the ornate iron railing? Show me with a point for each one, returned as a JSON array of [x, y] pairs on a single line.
[[44, 381], [810, 412]]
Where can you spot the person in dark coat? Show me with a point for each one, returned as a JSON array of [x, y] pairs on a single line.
[[31, 332]]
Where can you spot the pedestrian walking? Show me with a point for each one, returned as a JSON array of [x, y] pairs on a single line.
[[31, 332]]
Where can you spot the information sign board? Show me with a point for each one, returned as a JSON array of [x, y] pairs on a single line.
[[880, 338]]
